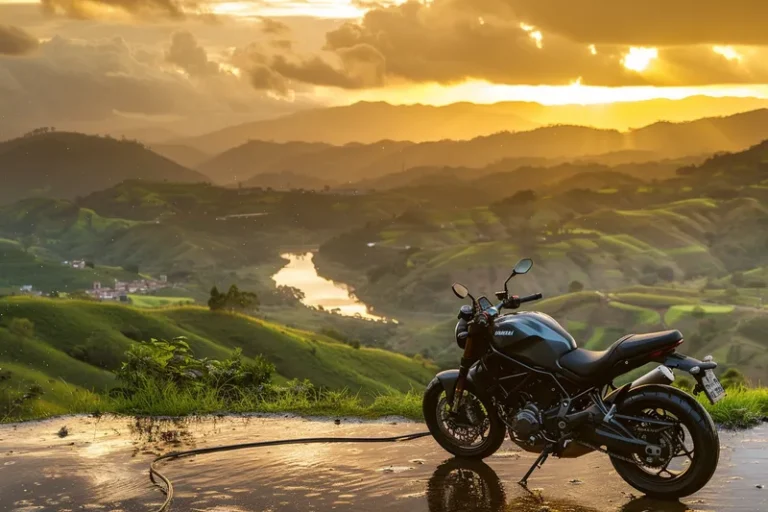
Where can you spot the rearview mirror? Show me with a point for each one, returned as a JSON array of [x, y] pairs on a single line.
[[523, 266], [460, 290]]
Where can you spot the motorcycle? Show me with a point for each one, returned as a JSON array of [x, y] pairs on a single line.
[[522, 373]]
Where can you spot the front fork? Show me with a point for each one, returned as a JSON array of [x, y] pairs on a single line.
[[458, 391]]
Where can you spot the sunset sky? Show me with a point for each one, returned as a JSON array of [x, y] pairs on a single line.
[[138, 61]]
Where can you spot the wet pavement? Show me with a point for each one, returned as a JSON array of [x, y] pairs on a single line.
[[101, 464]]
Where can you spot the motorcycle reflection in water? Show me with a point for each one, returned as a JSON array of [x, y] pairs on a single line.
[[460, 485]]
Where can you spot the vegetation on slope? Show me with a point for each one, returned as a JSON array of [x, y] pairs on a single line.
[[83, 164], [47, 343]]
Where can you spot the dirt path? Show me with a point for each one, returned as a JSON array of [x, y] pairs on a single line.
[[102, 465]]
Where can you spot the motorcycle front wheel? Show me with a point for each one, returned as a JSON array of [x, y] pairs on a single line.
[[690, 450], [473, 432]]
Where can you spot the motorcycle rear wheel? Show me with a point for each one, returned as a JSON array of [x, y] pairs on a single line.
[[658, 480], [476, 433]]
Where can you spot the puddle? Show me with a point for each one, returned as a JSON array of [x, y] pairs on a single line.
[[102, 465]]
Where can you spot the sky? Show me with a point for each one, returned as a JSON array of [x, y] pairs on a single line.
[[196, 65]]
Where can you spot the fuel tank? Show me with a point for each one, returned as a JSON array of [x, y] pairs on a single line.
[[533, 338]]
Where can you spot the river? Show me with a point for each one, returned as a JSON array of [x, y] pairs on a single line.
[[301, 273]]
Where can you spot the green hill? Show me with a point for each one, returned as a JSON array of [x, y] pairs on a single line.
[[77, 344], [66, 165]]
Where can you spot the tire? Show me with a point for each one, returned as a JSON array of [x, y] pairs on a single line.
[[702, 431], [458, 485], [489, 446]]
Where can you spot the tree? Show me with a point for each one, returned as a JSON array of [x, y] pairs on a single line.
[[233, 300], [575, 286], [215, 302]]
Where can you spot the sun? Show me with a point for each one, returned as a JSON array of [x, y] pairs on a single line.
[[638, 59]]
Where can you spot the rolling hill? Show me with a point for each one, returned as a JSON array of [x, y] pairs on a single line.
[[460, 121], [66, 165], [78, 344], [355, 162], [342, 125]]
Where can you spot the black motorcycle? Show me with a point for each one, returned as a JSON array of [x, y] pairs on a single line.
[[523, 373]]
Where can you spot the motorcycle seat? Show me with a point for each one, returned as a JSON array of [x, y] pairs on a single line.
[[588, 363]]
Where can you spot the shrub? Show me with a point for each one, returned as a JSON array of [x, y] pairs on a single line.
[[23, 327], [733, 378], [159, 364], [685, 383], [132, 333], [575, 286]]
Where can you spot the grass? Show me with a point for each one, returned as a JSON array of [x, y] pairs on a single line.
[[642, 316], [83, 342], [740, 408], [676, 313], [152, 301]]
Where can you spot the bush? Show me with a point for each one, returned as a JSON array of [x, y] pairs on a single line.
[[685, 383], [160, 364], [132, 333], [23, 327], [733, 379], [575, 286], [97, 351]]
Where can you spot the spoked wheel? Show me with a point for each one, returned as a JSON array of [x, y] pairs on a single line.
[[459, 485], [688, 449], [474, 431]]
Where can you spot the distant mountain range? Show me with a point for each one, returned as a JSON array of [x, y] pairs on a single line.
[[66, 165], [367, 122], [355, 162]]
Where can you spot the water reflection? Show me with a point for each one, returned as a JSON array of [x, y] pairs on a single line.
[[301, 273], [472, 486]]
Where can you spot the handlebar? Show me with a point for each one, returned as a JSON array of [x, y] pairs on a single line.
[[514, 301], [531, 298]]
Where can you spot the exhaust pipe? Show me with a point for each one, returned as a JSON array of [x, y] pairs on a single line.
[[659, 375]]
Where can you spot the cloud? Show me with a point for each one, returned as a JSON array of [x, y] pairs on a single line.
[[187, 54], [274, 27], [450, 41], [446, 43], [94, 9], [648, 22], [15, 41], [264, 78], [110, 84]]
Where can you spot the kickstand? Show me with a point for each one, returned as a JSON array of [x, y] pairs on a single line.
[[537, 464]]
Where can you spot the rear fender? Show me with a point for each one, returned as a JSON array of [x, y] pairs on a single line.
[[688, 364]]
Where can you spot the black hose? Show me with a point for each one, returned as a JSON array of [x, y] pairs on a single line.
[[153, 472]]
